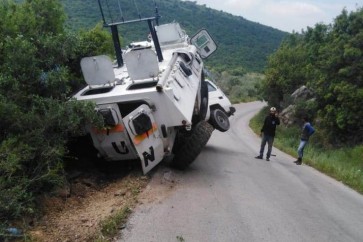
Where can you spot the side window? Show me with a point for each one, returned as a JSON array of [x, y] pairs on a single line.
[[211, 88]]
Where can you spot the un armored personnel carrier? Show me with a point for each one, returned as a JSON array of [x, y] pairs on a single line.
[[154, 101]]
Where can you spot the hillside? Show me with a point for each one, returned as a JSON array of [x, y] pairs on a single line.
[[241, 42]]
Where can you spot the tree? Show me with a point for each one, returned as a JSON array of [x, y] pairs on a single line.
[[339, 88], [328, 59], [286, 70], [39, 69]]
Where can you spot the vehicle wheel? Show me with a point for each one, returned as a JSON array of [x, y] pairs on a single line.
[[189, 144], [219, 120]]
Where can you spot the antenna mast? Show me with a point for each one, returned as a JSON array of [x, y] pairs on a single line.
[[114, 30]]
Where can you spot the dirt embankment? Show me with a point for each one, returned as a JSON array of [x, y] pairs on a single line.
[[78, 210]]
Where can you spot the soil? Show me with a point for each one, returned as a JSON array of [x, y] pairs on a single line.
[[77, 211]]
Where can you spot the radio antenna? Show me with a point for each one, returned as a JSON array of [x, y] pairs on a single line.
[[122, 15], [109, 10], [137, 9], [114, 31], [157, 16]]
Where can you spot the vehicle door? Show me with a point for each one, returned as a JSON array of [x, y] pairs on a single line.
[[145, 136]]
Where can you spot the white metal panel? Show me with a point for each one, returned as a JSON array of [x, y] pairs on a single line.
[[97, 70], [142, 64], [204, 43], [149, 145], [169, 33]]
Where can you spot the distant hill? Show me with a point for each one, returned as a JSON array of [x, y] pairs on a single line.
[[240, 41]]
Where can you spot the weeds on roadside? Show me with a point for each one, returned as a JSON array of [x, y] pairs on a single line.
[[180, 238], [111, 225], [114, 223]]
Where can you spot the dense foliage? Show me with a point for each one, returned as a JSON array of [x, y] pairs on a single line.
[[239, 86], [39, 69], [329, 60], [241, 42]]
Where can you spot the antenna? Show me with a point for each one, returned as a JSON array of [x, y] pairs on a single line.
[[114, 30], [109, 11], [156, 14], [137, 9], [119, 7]]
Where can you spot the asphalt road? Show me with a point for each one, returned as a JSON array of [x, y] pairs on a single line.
[[227, 195]]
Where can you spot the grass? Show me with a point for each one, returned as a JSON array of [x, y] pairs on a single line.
[[180, 238], [343, 164], [114, 223], [111, 226]]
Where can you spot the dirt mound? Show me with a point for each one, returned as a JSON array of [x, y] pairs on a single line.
[[76, 212]]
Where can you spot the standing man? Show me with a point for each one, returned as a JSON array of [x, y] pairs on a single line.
[[306, 132], [268, 133]]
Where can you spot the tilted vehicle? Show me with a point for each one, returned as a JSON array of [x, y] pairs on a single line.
[[154, 102], [220, 108]]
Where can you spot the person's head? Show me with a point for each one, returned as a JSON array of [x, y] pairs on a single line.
[[272, 111], [305, 119]]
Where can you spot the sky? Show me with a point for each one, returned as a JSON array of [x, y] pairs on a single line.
[[286, 15]]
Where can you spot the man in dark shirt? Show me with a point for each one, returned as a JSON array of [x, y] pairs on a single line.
[[268, 133]]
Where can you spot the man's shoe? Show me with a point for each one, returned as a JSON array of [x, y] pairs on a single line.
[[298, 161], [259, 157], [267, 159]]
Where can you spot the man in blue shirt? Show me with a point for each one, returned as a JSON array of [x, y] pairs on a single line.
[[306, 132]]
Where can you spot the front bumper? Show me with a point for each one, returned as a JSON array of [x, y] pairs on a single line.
[[232, 110]]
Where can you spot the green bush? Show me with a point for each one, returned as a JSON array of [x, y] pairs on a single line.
[[39, 69], [240, 88]]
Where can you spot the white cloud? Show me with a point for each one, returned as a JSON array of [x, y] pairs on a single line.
[[291, 16], [245, 4], [291, 9], [287, 15]]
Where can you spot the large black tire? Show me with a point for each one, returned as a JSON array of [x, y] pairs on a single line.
[[219, 120], [189, 144]]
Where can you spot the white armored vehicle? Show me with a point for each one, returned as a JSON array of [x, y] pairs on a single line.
[[154, 101]]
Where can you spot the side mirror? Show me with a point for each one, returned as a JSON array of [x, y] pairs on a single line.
[[204, 43]]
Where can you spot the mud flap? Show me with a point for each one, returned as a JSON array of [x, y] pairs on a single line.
[[145, 136]]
